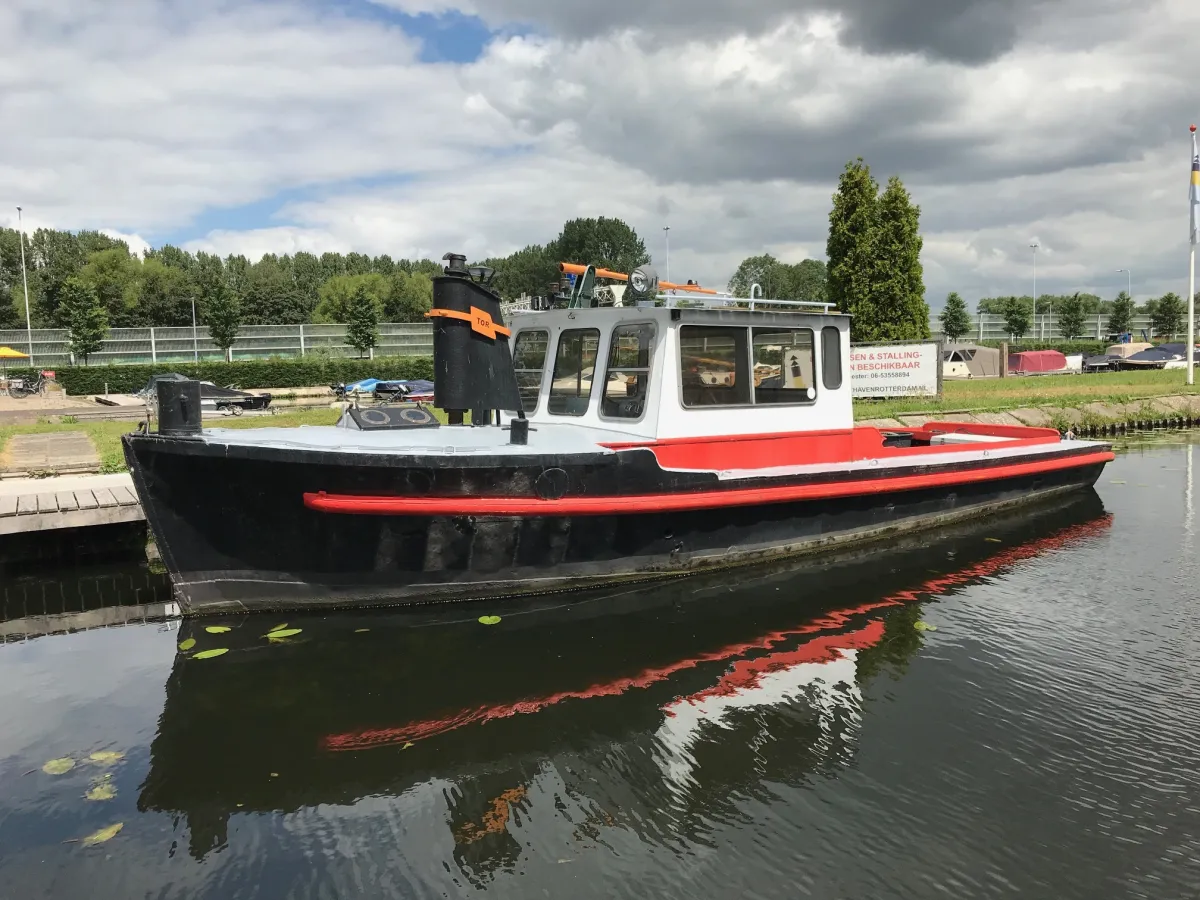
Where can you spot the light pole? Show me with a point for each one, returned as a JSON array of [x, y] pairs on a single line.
[[1034, 248], [195, 346], [25, 281], [667, 232]]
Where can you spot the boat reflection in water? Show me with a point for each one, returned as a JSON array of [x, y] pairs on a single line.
[[654, 711]]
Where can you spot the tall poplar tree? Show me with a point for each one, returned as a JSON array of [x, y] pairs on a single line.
[[874, 251], [850, 247]]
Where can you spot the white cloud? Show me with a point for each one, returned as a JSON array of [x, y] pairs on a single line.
[[732, 129]]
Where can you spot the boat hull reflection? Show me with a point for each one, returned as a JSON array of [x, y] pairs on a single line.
[[701, 689]]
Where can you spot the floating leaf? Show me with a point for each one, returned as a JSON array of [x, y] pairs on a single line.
[[924, 626], [489, 620], [993, 540], [407, 745], [102, 791], [187, 645], [106, 756], [1118, 482], [286, 633], [361, 630], [58, 766], [279, 627], [274, 774], [104, 834], [209, 654], [217, 629]]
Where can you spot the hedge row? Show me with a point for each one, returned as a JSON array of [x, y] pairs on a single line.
[[266, 373], [1068, 348]]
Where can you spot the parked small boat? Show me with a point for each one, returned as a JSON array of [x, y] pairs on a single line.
[[211, 396], [678, 458]]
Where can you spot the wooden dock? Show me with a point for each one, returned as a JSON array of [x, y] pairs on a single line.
[[67, 502]]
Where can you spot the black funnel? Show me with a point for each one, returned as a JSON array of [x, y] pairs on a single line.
[[472, 359], [179, 407]]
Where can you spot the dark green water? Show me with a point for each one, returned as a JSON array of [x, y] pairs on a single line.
[[778, 734]]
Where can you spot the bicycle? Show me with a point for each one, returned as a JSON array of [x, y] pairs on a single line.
[[19, 388]]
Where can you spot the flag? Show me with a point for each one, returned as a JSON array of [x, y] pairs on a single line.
[[1194, 193]]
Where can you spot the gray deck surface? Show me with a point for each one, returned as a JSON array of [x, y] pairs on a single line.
[[51, 503]]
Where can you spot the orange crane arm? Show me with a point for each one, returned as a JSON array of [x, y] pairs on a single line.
[[577, 269]]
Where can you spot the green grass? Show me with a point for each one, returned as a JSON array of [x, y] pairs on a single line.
[[106, 436], [1041, 390]]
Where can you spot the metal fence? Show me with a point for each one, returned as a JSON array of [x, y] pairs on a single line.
[[178, 345], [991, 327]]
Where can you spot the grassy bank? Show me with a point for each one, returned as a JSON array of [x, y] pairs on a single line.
[[1032, 391]]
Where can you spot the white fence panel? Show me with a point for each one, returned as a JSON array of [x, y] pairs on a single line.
[[167, 346]]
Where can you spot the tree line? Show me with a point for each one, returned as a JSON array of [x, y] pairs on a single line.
[[89, 282], [1073, 313]]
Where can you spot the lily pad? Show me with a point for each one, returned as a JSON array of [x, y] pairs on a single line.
[[279, 627], [58, 766], [187, 645], [106, 756], [285, 633], [924, 626], [994, 540], [209, 654], [217, 629], [489, 620], [361, 630], [104, 834], [102, 791]]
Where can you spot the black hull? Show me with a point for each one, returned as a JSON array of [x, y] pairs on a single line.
[[235, 534]]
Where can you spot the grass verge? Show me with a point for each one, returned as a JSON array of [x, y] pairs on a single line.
[[1032, 391]]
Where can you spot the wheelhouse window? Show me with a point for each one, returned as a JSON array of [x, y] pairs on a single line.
[[574, 370], [714, 366], [529, 362], [831, 358], [784, 368], [627, 380]]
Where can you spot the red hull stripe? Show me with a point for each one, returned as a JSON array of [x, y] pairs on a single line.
[[677, 502]]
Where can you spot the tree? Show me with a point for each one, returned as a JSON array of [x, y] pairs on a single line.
[[164, 296], [363, 330], [766, 271], [604, 243], [898, 288], [1166, 318], [222, 313], [850, 247], [271, 296], [807, 281], [1017, 314], [338, 295], [528, 271], [85, 317], [955, 318], [1072, 311], [1120, 316], [114, 275], [409, 297]]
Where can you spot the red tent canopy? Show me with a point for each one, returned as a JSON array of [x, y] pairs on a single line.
[[1030, 361]]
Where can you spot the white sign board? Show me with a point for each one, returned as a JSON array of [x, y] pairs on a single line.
[[895, 370]]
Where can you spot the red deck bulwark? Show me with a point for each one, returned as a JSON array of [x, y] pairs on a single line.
[[677, 502]]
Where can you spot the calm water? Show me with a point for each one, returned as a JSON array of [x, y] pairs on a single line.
[[1007, 710]]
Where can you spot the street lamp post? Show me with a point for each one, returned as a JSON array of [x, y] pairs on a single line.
[[667, 232], [1034, 248], [25, 281], [195, 345]]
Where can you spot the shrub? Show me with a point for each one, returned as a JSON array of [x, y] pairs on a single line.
[[257, 373]]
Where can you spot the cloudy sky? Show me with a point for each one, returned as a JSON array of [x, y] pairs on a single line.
[[413, 127]]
